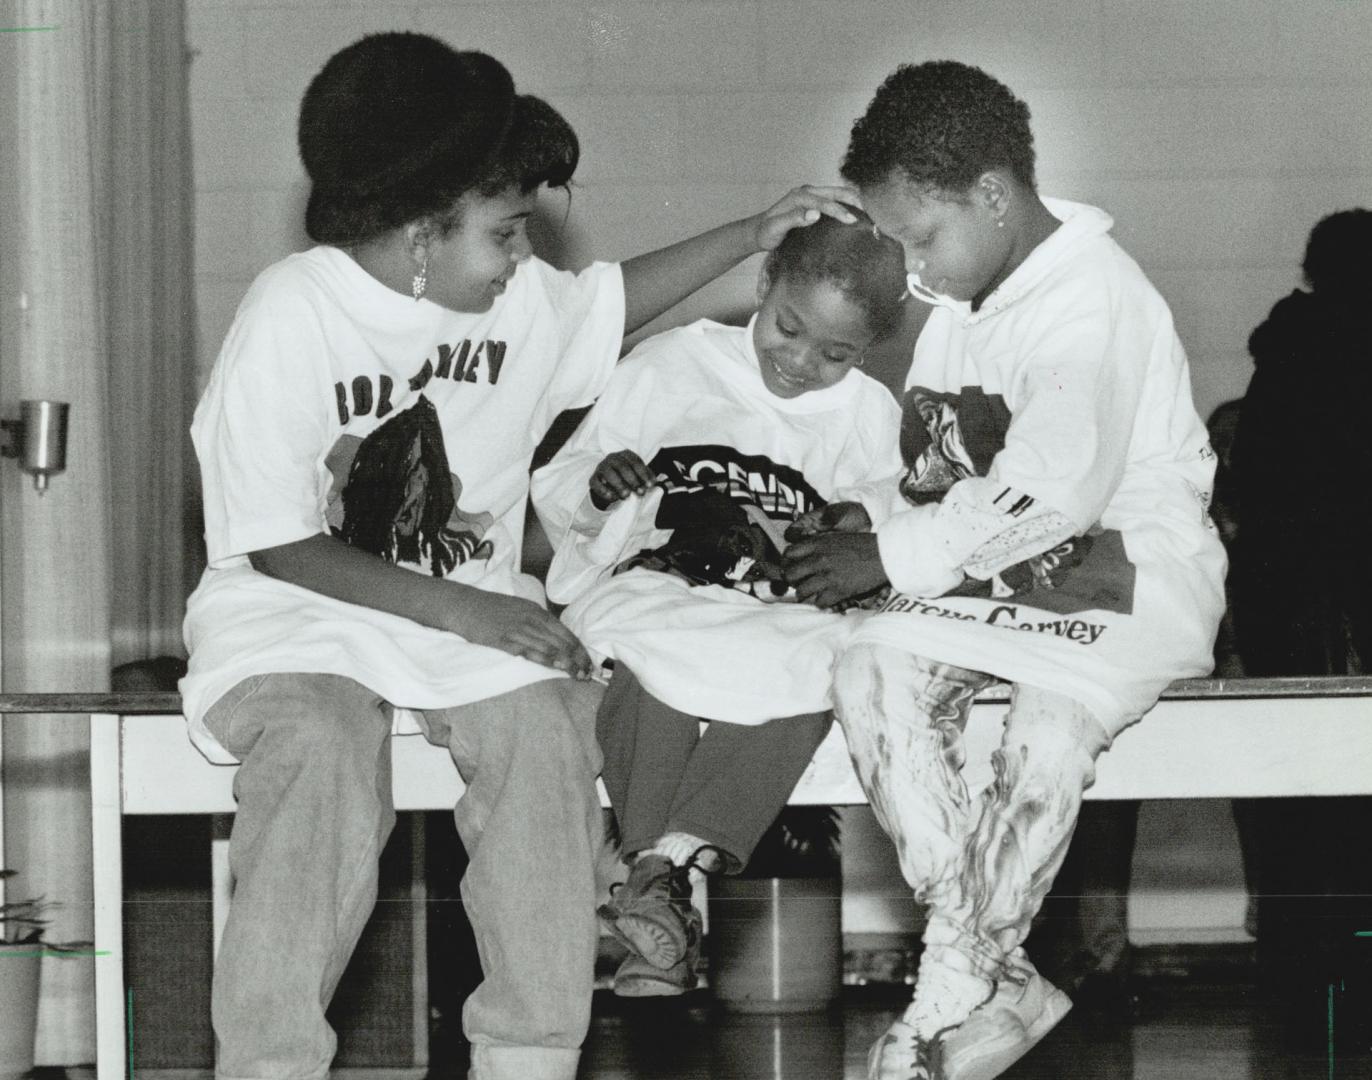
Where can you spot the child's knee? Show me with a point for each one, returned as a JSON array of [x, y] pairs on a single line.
[[855, 673], [557, 719], [872, 678], [1050, 744], [309, 718]]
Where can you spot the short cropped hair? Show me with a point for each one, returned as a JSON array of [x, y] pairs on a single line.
[[942, 125], [398, 126], [1337, 253], [866, 266]]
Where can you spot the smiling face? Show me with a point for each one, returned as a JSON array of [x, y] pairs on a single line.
[[952, 245], [807, 336], [471, 264]]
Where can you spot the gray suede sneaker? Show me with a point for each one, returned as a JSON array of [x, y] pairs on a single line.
[[651, 913], [637, 978]]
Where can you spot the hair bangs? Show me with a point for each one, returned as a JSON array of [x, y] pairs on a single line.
[[539, 148]]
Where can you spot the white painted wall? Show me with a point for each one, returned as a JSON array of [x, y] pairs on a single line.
[[1216, 131]]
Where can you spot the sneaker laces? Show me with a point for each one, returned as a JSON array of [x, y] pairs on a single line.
[[926, 1054], [669, 874], [694, 863], [1015, 968]]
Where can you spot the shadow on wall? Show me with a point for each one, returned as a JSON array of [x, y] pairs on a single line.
[[160, 674]]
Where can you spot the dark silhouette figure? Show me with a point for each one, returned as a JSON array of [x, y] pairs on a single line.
[[1301, 582], [1303, 468]]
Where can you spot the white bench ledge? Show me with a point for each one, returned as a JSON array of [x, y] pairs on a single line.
[[1207, 738]]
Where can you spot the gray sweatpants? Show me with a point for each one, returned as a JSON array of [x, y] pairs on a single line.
[[314, 810]]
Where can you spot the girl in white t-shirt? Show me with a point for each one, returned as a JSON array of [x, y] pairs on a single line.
[[365, 442], [1050, 531], [669, 508]]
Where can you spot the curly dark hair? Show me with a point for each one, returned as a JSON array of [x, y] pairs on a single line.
[[398, 126], [540, 148], [942, 124], [1337, 252], [864, 265]]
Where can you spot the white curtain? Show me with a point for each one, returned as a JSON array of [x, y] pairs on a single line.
[[94, 310]]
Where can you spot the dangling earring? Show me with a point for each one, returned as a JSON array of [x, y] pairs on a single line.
[[860, 361], [421, 280]]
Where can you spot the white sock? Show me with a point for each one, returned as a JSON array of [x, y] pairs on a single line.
[[680, 846], [944, 996]]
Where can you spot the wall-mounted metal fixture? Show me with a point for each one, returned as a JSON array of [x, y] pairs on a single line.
[[38, 439]]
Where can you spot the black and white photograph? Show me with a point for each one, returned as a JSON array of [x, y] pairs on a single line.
[[685, 540]]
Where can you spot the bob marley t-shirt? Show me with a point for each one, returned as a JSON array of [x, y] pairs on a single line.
[[339, 406]]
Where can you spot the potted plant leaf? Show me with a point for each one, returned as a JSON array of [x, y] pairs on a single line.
[[776, 940], [21, 952]]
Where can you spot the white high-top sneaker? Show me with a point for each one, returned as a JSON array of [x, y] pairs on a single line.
[[1024, 1009], [900, 1054], [942, 994]]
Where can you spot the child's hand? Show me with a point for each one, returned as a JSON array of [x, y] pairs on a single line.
[[832, 567], [522, 628], [618, 476], [835, 517], [803, 206]]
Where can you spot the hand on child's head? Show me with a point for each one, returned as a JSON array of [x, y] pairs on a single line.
[[804, 206]]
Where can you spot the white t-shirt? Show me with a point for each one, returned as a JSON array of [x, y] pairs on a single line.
[[339, 406], [699, 615], [1068, 388]]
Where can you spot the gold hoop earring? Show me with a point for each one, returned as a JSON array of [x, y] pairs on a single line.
[[421, 280]]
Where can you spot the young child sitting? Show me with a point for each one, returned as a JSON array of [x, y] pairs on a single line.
[[668, 509], [1050, 531]]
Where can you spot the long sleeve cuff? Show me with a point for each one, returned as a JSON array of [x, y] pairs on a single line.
[[880, 498], [588, 520], [917, 559]]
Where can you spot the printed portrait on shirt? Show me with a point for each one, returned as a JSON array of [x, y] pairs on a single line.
[[394, 496], [727, 512], [943, 459], [947, 437]]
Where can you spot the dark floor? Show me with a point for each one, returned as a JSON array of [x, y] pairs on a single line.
[[1199, 1031], [1186, 1014]]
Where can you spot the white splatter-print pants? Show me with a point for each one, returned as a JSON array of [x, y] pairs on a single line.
[[982, 865]]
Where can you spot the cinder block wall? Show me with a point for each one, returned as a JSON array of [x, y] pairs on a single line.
[[1215, 131]]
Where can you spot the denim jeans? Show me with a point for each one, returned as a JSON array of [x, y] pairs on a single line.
[[314, 810]]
